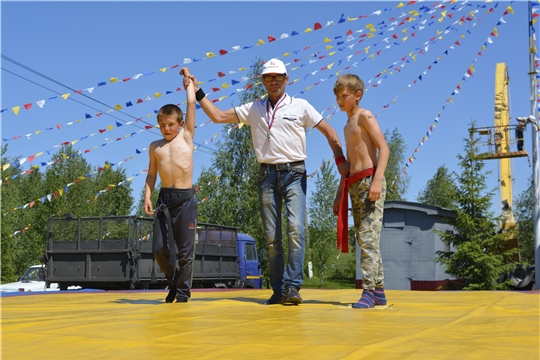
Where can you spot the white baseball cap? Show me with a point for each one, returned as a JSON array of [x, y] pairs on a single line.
[[274, 66]]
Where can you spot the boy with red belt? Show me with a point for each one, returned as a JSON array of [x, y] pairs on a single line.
[[366, 185]]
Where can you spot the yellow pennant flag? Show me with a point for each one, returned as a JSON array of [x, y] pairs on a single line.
[[74, 142], [400, 5], [332, 53], [472, 68], [240, 125], [118, 107], [163, 70], [443, 14], [65, 96], [496, 32], [307, 30], [39, 153], [509, 8], [156, 95], [113, 80], [366, 49], [330, 66], [260, 42], [64, 156], [287, 54], [372, 56], [37, 132], [370, 35], [110, 127], [351, 19], [210, 55], [369, 26], [404, 39], [326, 40], [223, 97], [452, 101], [414, 57], [242, 69], [404, 31], [61, 192], [224, 85], [16, 109], [309, 87], [328, 47], [5, 166]]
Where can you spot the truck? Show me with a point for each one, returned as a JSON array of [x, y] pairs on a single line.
[[115, 253]]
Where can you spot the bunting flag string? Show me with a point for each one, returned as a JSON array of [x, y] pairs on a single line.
[[468, 74], [317, 26], [22, 231], [222, 98]]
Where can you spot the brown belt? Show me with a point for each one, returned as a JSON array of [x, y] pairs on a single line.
[[284, 166]]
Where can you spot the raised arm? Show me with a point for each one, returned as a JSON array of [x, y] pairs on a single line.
[[190, 95], [335, 145], [213, 112]]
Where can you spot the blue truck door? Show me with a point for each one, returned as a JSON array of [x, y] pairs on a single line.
[[249, 266]]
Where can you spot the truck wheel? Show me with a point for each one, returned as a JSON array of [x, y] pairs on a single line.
[[521, 276]]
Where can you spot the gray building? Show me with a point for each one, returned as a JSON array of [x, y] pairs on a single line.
[[409, 244]]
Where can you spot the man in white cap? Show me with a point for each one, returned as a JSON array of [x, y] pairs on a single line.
[[278, 129]]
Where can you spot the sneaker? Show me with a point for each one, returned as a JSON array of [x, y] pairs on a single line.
[[293, 297], [367, 300], [275, 299], [379, 296]]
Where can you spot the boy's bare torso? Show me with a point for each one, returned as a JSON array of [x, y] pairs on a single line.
[[175, 161], [361, 150]]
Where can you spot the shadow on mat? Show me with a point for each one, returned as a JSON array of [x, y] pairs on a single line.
[[140, 301]]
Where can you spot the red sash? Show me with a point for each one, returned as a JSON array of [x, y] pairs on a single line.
[[343, 213]]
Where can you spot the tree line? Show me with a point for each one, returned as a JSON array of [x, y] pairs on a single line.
[[229, 187]]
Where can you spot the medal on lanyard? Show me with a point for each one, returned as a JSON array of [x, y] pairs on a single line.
[[270, 121]]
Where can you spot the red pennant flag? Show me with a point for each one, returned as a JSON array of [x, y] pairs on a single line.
[[317, 26], [78, 91], [178, 89], [28, 106], [139, 101], [65, 142], [379, 52], [223, 52], [148, 127], [100, 168], [450, 15], [469, 72], [175, 66], [58, 126], [349, 32], [87, 151], [55, 194], [32, 204], [394, 36], [126, 79], [215, 100], [31, 158], [215, 89], [249, 86], [411, 2], [99, 114], [413, 34], [457, 42], [296, 60], [102, 130], [220, 74], [271, 38]]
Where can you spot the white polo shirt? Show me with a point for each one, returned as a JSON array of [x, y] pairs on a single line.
[[285, 126]]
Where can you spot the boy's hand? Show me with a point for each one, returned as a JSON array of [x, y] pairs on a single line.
[[375, 190]]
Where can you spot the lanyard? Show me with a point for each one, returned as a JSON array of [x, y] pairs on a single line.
[[270, 119]]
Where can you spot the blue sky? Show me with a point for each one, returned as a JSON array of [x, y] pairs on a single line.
[[412, 65]]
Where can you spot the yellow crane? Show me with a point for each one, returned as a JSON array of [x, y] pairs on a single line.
[[500, 139]]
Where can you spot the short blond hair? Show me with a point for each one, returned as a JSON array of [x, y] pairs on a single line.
[[350, 81]]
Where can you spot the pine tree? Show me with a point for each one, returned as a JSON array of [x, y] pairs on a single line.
[[479, 258], [440, 190], [322, 222], [524, 214], [393, 173]]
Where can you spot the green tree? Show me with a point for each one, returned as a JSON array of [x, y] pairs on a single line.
[[441, 190], [322, 222], [227, 190], [393, 173], [139, 209], [524, 215], [478, 260], [109, 192]]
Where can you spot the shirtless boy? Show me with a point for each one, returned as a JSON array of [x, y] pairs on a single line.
[[175, 216], [366, 185]]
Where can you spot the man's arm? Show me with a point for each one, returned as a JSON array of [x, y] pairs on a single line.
[[190, 110], [335, 145], [213, 112]]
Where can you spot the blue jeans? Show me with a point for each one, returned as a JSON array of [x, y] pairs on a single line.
[[287, 184]]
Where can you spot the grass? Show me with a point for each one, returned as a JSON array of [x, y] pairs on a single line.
[[341, 281]]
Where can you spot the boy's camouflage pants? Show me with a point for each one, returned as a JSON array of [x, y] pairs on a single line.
[[367, 217]]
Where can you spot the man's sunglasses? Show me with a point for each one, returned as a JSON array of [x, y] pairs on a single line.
[[269, 78]]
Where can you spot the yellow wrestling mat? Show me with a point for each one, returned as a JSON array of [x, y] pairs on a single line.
[[233, 324]]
